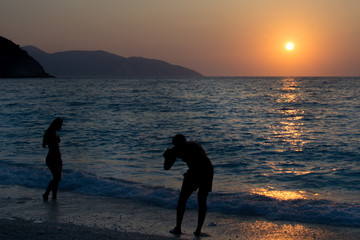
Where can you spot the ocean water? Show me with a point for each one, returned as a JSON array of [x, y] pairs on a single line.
[[282, 148]]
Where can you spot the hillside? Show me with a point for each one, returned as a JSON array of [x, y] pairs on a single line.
[[104, 64], [16, 63]]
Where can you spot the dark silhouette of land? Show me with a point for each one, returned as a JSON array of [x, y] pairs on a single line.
[[16, 63], [104, 64]]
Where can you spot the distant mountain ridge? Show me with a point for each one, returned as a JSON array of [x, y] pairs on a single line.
[[16, 63], [105, 64]]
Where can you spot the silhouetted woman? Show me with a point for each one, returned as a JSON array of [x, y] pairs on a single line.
[[53, 159]]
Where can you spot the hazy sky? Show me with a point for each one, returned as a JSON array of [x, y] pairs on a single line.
[[214, 37]]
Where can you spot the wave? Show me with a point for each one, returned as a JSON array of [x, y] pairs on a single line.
[[240, 203]]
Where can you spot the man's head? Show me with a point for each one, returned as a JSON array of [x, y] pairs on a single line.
[[178, 139]]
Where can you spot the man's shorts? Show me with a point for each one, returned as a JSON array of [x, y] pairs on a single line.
[[198, 181]]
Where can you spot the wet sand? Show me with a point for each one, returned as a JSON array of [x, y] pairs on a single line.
[[21, 229], [23, 215]]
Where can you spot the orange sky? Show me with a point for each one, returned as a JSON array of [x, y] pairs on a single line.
[[216, 38]]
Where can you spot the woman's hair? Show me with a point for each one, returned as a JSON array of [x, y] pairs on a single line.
[[56, 123]]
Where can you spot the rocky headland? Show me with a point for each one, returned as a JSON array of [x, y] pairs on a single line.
[[16, 62]]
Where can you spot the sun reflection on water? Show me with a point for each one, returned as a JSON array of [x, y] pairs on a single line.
[[289, 131], [290, 170], [283, 195]]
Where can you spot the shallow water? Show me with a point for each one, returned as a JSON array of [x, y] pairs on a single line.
[[282, 148], [127, 215]]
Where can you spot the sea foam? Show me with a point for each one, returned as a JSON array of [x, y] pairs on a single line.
[[244, 203]]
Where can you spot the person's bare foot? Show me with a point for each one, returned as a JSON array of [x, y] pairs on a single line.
[[45, 198], [176, 231], [197, 233]]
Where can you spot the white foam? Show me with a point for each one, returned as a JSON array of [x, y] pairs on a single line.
[[241, 203]]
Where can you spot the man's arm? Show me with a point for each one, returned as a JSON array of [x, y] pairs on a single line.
[[170, 158]]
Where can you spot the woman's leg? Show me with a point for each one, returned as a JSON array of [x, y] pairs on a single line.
[[56, 170], [48, 190]]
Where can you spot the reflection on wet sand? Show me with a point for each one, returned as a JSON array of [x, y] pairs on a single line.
[[261, 230]]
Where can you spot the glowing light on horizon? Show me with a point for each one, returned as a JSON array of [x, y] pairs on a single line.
[[289, 46]]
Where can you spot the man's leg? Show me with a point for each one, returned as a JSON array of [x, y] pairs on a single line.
[[202, 198], [180, 210]]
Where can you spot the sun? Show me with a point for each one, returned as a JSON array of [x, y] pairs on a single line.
[[289, 46]]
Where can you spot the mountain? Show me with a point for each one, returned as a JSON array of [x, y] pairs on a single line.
[[16, 63], [104, 64]]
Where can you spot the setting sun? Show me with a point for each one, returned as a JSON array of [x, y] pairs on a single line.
[[289, 46]]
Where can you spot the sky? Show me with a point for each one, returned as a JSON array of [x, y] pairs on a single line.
[[213, 37]]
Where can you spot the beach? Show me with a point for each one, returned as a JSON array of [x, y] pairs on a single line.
[[24, 215], [20, 229]]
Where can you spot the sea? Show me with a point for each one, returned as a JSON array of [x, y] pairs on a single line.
[[283, 148]]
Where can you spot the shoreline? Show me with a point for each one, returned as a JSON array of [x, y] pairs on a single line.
[[79, 216]]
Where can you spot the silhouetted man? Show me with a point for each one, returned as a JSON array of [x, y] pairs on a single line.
[[198, 177]]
